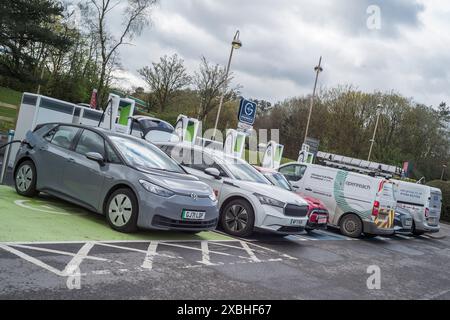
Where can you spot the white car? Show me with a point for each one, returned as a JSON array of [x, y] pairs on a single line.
[[247, 200]]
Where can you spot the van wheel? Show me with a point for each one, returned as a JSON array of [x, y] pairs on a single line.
[[25, 179], [121, 210], [351, 226], [237, 218]]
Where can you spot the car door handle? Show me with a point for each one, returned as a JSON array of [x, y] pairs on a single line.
[[308, 189], [72, 160]]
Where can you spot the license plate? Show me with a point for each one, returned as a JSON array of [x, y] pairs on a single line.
[[193, 215], [431, 220], [322, 220], [295, 222]]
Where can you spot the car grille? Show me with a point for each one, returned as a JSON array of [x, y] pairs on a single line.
[[293, 210], [291, 229], [160, 221]]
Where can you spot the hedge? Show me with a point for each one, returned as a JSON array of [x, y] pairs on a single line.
[[445, 188]]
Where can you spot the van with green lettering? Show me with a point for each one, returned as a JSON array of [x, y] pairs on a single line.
[[357, 204]]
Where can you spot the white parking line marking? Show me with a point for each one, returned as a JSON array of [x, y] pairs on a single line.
[[249, 251], [403, 236], [196, 249], [56, 251], [133, 249], [151, 253], [101, 272], [33, 260], [205, 255], [78, 258]]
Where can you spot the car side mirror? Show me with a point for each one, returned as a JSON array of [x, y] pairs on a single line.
[[213, 172], [97, 157]]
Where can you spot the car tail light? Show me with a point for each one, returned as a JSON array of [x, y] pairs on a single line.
[[313, 217], [376, 208], [427, 212]]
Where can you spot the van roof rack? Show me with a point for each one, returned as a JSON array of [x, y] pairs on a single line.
[[357, 165]]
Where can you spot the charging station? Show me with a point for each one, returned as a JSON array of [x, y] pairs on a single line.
[[234, 143], [305, 155], [272, 155], [187, 128]]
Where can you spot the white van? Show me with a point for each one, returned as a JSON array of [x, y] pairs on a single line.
[[423, 202], [357, 203]]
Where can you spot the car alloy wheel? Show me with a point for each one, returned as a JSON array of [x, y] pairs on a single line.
[[120, 210], [24, 178], [236, 218]]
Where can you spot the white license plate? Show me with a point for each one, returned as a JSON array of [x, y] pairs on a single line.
[[431, 220], [322, 220], [193, 215], [295, 222]]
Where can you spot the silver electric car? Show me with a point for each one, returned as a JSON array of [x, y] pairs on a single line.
[[129, 180], [247, 200]]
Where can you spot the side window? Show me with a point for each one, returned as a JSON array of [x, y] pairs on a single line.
[[62, 136], [293, 172], [111, 155], [90, 142]]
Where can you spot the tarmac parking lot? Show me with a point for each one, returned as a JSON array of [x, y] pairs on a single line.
[[51, 249]]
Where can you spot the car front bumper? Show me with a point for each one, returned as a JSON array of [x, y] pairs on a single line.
[[161, 213], [273, 220]]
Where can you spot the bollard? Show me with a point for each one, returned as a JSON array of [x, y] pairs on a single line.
[[6, 156]]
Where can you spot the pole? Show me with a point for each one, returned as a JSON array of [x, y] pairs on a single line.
[[443, 169], [373, 137], [318, 69], [6, 156], [223, 92]]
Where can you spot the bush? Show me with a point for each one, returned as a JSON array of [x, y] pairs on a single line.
[[445, 188]]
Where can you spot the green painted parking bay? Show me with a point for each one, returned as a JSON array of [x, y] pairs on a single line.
[[45, 218]]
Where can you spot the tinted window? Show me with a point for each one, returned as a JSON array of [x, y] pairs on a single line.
[[62, 136], [293, 172], [278, 180], [142, 154], [244, 171], [111, 155], [90, 142]]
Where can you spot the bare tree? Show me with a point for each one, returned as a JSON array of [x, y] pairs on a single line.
[[136, 15], [209, 81], [165, 78]]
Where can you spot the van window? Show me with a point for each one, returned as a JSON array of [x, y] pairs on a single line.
[[435, 201], [293, 172]]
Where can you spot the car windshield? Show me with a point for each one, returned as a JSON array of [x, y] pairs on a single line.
[[244, 171], [143, 155], [278, 180]]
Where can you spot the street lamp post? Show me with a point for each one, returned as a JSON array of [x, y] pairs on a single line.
[[318, 69], [235, 44], [443, 170], [374, 131]]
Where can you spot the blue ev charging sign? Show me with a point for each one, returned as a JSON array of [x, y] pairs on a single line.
[[247, 111]]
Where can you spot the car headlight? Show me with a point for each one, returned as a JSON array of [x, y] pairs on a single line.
[[269, 201], [153, 188], [212, 196]]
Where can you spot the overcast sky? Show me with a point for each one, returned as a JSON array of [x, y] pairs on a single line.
[[283, 39]]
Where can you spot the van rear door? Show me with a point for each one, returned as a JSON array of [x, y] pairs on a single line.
[[434, 206]]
